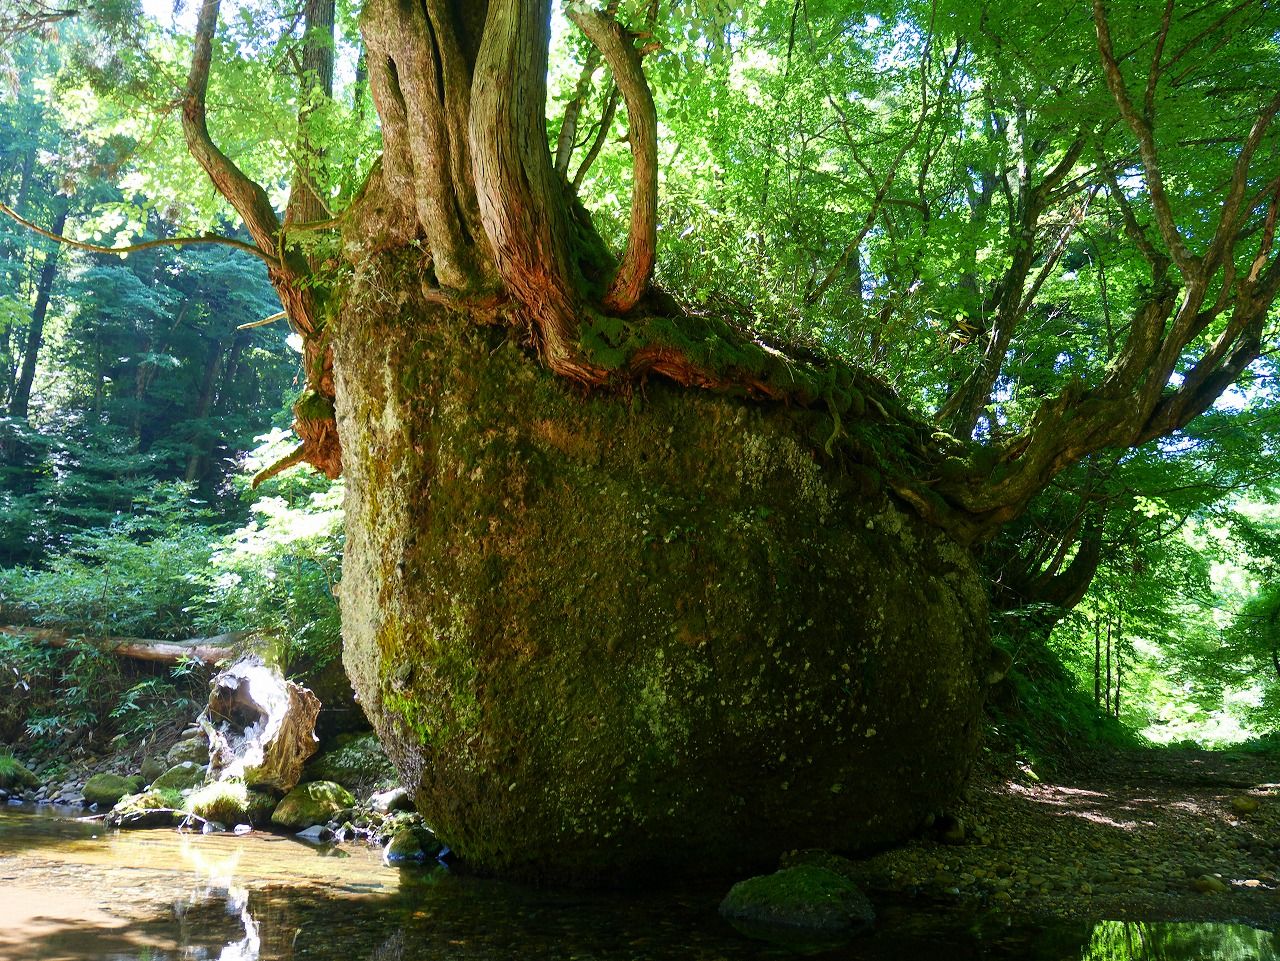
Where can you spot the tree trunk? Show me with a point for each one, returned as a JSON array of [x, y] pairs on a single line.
[[35, 333], [206, 649], [1097, 663], [609, 637], [196, 459], [1108, 688]]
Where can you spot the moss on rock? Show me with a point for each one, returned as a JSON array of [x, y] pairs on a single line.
[[106, 789], [604, 636], [311, 803], [151, 808], [231, 803], [181, 777], [356, 761], [806, 896], [14, 775]]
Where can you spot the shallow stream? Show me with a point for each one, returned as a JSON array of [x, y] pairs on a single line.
[[73, 891]]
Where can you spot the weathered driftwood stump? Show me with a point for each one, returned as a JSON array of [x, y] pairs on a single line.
[[261, 726]]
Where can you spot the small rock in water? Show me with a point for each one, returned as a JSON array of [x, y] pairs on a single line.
[[397, 799], [404, 848], [806, 897], [213, 827], [316, 834], [243, 828]]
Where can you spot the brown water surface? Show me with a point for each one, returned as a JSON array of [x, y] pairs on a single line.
[[72, 891]]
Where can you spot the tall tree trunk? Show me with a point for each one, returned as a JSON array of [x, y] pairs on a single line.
[[305, 203], [197, 459], [1097, 662], [1108, 688], [35, 333]]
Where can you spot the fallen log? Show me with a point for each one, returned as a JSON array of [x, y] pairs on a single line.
[[209, 650]]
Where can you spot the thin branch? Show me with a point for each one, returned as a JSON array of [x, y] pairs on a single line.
[[1142, 129], [146, 244], [281, 315], [615, 44], [602, 134]]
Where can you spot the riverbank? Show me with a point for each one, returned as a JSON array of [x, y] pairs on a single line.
[[1143, 835]]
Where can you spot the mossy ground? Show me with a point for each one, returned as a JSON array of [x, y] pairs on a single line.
[[605, 635]]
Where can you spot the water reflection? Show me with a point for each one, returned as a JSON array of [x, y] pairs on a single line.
[[161, 896], [1143, 941]]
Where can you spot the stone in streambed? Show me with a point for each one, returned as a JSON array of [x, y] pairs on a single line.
[[152, 768], [411, 846], [106, 789], [194, 749], [14, 776], [144, 810], [230, 802], [397, 799], [311, 803], [180, 777], [805, 897]]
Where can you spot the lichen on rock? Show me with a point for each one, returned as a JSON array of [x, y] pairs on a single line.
[[603, 636]]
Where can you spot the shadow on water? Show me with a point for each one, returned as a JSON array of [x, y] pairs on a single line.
[[159, 896]]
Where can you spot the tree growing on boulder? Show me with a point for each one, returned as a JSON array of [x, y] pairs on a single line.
[[630, 588]]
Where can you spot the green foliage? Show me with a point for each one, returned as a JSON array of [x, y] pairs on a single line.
[[275, 575], [130, 578]]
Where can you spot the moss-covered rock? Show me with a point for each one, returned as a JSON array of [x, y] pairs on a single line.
[[231, 803], [106, 789], [14, 776], [604, 635], [194, 749], [806, 896], [311, 803], [146, 809], [405, 847], [356, 761], [152, 768], [181, 777]]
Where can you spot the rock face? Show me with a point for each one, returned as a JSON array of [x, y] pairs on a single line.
[[260, 725], [106, 789], [311, 803], [604, 637]]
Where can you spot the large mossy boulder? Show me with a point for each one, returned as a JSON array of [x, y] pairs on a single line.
[[106, 789], [604, 636], [806, 896], [312, 803]]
